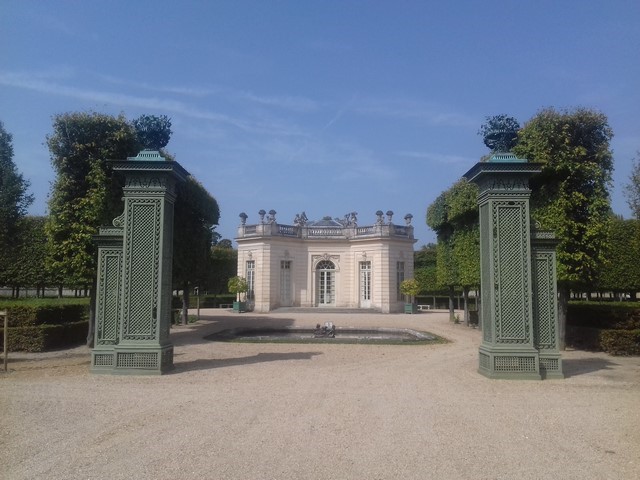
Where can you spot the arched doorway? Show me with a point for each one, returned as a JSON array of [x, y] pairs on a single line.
[[326, 283]]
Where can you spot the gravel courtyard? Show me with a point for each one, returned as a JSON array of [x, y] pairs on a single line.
[[316, 411]]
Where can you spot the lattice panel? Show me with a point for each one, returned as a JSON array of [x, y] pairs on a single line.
[[485, 272], [142, 252], [108, 307], [544, 302], [103, 360], [549, 364], [514, 364], [511, 266], [137, 360]]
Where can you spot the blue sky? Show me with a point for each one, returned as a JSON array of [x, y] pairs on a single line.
[[326, 107]]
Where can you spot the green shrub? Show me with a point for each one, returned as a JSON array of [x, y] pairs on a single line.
[[620, 342], [38, 338], [213, 301], [33, 312], [604, 315]]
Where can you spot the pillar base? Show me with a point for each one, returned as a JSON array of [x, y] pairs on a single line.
[[509, 362], [132, 359], [551, 365]]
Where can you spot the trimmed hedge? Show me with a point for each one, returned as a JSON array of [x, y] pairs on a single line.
[[23, 313], [604, 315], [611, 327], [38, 338], [206, 301], [620, 342], [36, 325]]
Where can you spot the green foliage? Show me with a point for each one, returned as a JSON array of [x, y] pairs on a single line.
[[632, 189], [620, 342], [214, 301], [466, 250], [36, 325], [570, 196], [45, 311], [454, 218], [410, 287], [39, 338], [500, 133], [224, 265], [604, 315], [153, 132], [613, 327], [620, 270], [195, 214], [86, 193], [27, 265], [237, 285], [14, 201]]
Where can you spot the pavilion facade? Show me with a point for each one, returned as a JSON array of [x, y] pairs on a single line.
[[330, 263]]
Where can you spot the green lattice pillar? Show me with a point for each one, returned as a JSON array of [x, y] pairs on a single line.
[[143, 305], [508, 345], [108, 294], [545, 304]]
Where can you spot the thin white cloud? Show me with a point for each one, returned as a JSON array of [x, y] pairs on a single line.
[[436, 157], [298, 104], [263, 126], [414, 109]]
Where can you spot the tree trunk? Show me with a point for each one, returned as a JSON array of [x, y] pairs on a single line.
[[563, 305], [452, 315], [465, 296], [185, 304], [59, 291]]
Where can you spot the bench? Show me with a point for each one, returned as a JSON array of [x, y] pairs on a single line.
[[424, 307]]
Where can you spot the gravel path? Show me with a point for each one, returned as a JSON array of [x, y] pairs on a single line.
[[283, 411]]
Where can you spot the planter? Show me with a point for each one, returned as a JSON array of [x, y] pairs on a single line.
[[410, 308], [239, 307]]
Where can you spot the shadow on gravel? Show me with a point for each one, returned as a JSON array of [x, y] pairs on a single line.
[[206, 364], [575, 367]]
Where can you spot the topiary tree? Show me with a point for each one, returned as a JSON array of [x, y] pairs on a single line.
[[500, 133], [153, 132], [410, 288], [238, 285]]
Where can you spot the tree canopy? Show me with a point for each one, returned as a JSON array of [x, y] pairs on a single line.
[[632, 189], [620, 270], [86, 193], [571, 195], [14, 202]]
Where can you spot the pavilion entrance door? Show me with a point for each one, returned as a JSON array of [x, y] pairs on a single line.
[[326, 283], [285, 283], [365, 284]]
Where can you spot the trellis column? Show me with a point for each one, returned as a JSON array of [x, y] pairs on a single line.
[[545, 304], [143, 306], [508, 347]]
